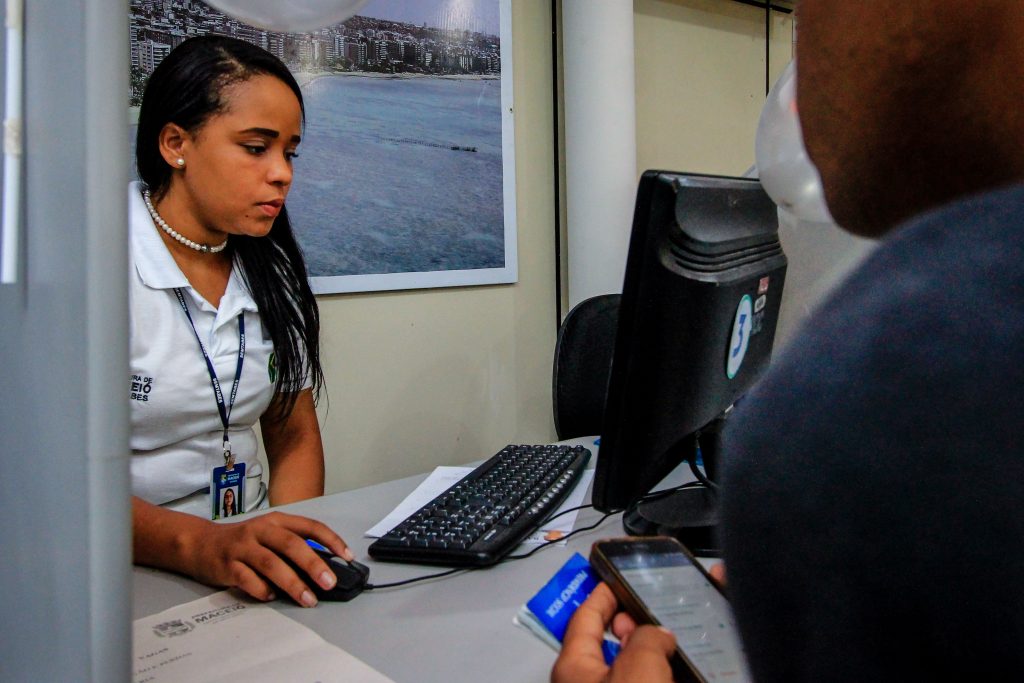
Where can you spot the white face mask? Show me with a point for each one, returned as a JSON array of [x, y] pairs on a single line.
[[290, 16], [786, 172]]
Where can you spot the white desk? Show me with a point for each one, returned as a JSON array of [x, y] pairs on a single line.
[[457, 628]]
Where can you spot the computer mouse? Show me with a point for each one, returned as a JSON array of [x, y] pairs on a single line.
[[352, 576]]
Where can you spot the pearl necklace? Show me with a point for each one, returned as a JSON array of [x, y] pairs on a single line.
[[205, 248]]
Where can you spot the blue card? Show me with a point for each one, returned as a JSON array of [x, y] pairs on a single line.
[[555, 603]]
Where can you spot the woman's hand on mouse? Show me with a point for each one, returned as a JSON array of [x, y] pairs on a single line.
[[247, 555]]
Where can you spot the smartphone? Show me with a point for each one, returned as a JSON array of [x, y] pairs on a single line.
[[657, 581]]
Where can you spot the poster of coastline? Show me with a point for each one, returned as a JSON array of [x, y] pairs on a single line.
[[406, 172]]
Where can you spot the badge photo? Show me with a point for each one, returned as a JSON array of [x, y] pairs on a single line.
[[227, 491]]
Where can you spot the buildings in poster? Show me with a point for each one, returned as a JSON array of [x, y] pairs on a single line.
[[359, 44]]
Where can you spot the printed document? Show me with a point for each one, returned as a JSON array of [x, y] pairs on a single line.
[[227, 638]]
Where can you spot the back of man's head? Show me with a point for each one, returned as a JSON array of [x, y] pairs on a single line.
[[908, 105]]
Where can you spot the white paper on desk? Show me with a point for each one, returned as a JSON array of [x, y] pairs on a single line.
[[444, 477], [440, 480], [225, 638]]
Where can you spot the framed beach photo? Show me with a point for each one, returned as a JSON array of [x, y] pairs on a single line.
[[406, 175]]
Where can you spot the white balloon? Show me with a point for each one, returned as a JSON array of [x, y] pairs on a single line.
[[289, 16], [786, 172]]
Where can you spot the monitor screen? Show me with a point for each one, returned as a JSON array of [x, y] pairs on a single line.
[[697, 318]]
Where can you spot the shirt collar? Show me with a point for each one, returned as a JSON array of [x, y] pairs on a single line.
[[236, 297], [154, 264], [157, 268]]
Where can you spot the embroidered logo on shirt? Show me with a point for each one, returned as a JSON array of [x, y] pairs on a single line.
[[272, 367], [141, 388]]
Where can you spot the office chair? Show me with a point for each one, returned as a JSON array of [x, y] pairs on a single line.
[[583, 359]]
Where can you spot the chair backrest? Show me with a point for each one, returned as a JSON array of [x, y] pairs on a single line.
[[583, 359]]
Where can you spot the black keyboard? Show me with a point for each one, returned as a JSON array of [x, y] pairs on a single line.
[[489, 511]]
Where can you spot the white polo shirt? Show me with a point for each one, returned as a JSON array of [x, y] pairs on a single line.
[[176, 436]]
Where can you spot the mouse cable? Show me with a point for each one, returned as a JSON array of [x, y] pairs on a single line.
[[378, 586]]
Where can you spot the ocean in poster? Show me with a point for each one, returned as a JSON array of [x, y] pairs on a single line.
[[399, 175]]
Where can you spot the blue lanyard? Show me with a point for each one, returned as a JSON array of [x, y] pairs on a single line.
[[224, 410]]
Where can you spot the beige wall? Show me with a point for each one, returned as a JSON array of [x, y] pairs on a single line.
[[422, 378], [700, 82]]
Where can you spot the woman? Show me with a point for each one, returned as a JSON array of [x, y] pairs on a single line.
[[224, 325], [227, 507]]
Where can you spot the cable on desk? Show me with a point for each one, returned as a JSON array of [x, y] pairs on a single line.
[[572, 533], [663, 493], [653, 495], [378, 586]]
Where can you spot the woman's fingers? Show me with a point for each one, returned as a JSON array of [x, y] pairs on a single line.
[[268, 552], [269, 565], [250, 582], [310, 528]]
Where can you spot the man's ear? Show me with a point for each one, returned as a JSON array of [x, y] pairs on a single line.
[[174, 141]]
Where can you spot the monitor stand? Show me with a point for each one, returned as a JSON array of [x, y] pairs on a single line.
[[690, 514]]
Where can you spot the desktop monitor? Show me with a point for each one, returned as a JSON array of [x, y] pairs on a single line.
[[697, 317]]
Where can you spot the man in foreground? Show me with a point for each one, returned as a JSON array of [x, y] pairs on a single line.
[[872, 482]]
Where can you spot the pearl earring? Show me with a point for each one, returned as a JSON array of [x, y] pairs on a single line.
[[181, 162]]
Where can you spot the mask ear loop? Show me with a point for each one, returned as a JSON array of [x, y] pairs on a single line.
[[785, 169]]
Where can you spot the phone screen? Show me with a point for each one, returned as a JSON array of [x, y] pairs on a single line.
[[680, 596]]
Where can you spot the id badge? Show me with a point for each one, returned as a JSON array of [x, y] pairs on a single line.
[[227, 490]]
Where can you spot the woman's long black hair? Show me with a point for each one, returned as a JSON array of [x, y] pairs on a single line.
[[187, 89]]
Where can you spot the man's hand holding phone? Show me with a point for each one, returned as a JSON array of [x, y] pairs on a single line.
[[645, 653], [658, 582]]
